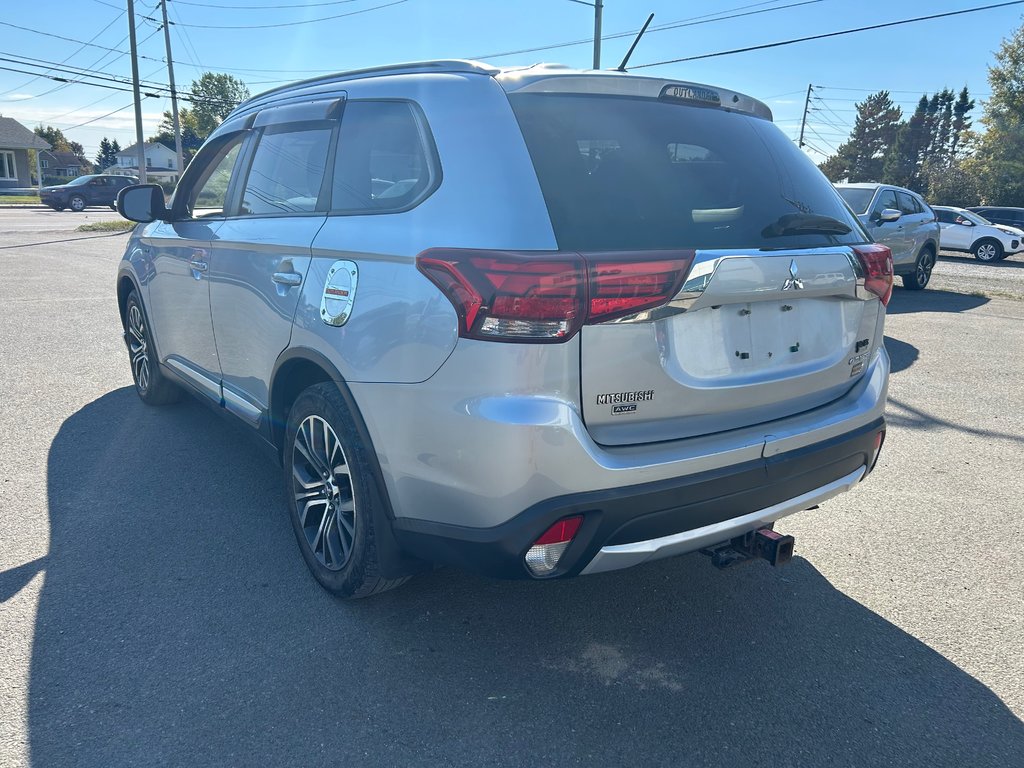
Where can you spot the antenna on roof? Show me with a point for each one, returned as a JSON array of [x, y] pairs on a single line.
[[622, 66]]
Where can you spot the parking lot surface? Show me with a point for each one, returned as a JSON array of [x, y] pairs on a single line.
[[154, 608]]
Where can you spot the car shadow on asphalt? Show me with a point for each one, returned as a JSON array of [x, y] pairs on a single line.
[[901, 354], [929, 300], [177, 625]]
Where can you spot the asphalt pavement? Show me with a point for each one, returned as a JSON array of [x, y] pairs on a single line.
[[154, 609]]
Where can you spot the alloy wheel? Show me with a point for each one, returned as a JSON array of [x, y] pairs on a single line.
[[77, 204], [924, 268], [987, 252], [323, 493], [138, 348]]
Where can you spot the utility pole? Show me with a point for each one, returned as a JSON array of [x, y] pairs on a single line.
[[174, 93], [803, 120], [598, 6], [135, 90]]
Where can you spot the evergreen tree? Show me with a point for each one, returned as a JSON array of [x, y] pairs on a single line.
[[107, 154], [961, 123], [862, 157], [902, 164]]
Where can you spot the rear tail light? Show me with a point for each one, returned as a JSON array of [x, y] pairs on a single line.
[[548, 297], [542, 558], [876, 261]]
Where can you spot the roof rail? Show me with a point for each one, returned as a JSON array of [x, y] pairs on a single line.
[[446, 66]]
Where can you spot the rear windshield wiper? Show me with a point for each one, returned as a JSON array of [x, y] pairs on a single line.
[[805, 224]]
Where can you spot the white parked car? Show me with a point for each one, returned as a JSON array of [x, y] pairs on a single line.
[[964, 230]]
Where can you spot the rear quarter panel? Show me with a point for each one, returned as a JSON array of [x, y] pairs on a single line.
[[401, 328]]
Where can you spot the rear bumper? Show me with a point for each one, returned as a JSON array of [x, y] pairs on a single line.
[[627, 526]]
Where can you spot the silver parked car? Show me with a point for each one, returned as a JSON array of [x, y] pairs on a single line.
[[535, 323], [902, 220]]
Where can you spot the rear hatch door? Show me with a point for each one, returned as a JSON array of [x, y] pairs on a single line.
[[771, 318]]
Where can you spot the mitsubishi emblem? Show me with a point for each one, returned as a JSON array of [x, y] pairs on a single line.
[[793, 282]]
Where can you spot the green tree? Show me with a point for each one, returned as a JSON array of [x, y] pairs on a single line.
[[902, 164], [107, 154], [60, 143], [54, 137], [1000, 154], [862, 157], [214, 95], [953, 183], [190, 139], [961, 124]]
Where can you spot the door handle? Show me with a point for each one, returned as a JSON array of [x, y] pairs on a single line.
[[199, 266], [287, 278]]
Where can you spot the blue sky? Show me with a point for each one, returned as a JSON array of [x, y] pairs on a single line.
[[907, 60]]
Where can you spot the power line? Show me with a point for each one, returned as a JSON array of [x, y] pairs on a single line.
[[689, 22], [161, 90], [78, 51], [101, 117], [781, 43], [99, 100], [265, 7], [290, 23]]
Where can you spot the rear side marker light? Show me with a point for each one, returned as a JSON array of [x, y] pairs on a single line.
[[876, 260], [542, 558], [549, 296]]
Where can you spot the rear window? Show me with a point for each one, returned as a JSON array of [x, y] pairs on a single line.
[[629, 173], [857, 199]]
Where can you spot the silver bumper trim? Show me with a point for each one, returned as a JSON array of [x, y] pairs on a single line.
[[625, 555]]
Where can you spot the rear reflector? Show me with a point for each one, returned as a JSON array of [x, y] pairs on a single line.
[[542, 558], [878, 270], [549, 296]]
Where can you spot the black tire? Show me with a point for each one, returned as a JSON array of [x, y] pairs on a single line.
[[58, 206], [918, 279], [988, 250], [318, 506], [152, 387], [76, 203]]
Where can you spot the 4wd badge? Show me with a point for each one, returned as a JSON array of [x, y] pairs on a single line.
[[339, 293]]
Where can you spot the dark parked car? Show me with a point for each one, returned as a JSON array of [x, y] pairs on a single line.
[[1011, 217], [94, 189]]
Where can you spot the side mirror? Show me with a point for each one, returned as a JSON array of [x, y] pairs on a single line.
[[143, 203], [965, 222], [888, 214]]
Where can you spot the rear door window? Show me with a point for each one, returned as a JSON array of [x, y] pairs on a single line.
[[907, 204], [637, 173], [386, 160]]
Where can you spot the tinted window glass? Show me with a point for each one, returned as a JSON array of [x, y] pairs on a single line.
[[908, 204], [384, 160], [886, 199], [287, 171], [857, 199], [627, 173], [946, 217], [209, 192]]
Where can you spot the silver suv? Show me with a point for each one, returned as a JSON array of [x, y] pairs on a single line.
[[902, 220], [535, 322]]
